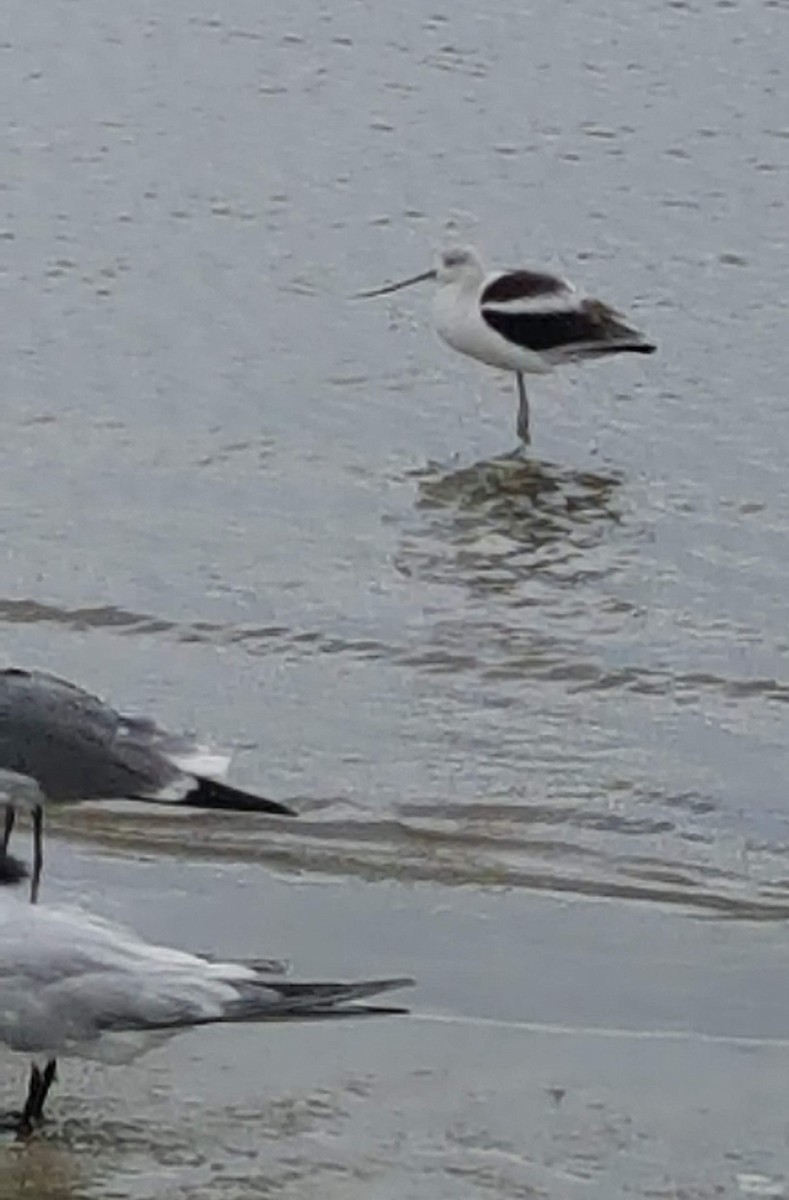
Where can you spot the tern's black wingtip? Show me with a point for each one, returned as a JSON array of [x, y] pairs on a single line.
[[214, 794]]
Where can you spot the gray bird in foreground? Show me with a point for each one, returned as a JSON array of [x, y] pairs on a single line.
[[73, 984], [75, 747]]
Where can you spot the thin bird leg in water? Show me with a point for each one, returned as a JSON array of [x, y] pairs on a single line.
[[523, 411], [8, 829], [38, 852], [47, 1078], [32, 1114], [26, 1122], [23, 1122]]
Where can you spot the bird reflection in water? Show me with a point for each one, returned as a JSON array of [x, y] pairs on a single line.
[[502, 516]]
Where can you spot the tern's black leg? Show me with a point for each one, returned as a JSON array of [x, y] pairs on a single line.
[[27, 1117], [48, 1077], [18, 1120], [38, 852], [8, 828], [523, 411], [25, 1123]]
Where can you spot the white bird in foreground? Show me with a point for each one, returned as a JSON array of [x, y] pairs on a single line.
[[75, 747], [73, 984], [523, 321]]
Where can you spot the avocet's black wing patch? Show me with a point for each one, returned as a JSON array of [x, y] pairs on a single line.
[[586, 329], [523, 285]]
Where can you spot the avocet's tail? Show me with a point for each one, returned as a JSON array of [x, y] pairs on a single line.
[[593, 330]]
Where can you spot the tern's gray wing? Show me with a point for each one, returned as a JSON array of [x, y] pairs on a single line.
[[67, 976], [111, 1015], [68, 980], [73, 744]]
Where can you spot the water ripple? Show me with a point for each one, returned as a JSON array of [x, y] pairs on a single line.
[[539, 846]]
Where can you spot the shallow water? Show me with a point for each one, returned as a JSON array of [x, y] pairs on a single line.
[[235, 498]]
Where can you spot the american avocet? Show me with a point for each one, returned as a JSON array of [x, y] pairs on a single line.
[[73, 984], [523, 321], [59, 743]]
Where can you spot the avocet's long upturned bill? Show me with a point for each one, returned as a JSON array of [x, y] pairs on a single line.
[[74, 747], [73, 984], [523, 321]]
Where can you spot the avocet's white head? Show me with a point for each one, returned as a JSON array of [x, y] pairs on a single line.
[[460, 265]]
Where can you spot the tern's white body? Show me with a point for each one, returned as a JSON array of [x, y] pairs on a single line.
[[73, 984]]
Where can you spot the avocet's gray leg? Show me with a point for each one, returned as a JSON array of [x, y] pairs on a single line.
[[524, 432]]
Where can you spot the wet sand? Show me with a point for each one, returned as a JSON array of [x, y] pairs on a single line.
[[555, 1047]]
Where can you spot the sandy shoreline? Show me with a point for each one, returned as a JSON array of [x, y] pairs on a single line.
[[555, 1048]]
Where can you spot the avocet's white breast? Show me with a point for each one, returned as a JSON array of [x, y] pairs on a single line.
[[458, 317]]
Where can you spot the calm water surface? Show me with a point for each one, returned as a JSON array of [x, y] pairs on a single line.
[[234, 497]]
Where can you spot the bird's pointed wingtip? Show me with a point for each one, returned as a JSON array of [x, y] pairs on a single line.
[[215, 794]]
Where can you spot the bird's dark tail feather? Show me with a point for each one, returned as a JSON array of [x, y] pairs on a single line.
[[297, 997], [210, 793], [332, 1014], [282, 1000], [11, 869], [604, 349], [297, 1001]]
